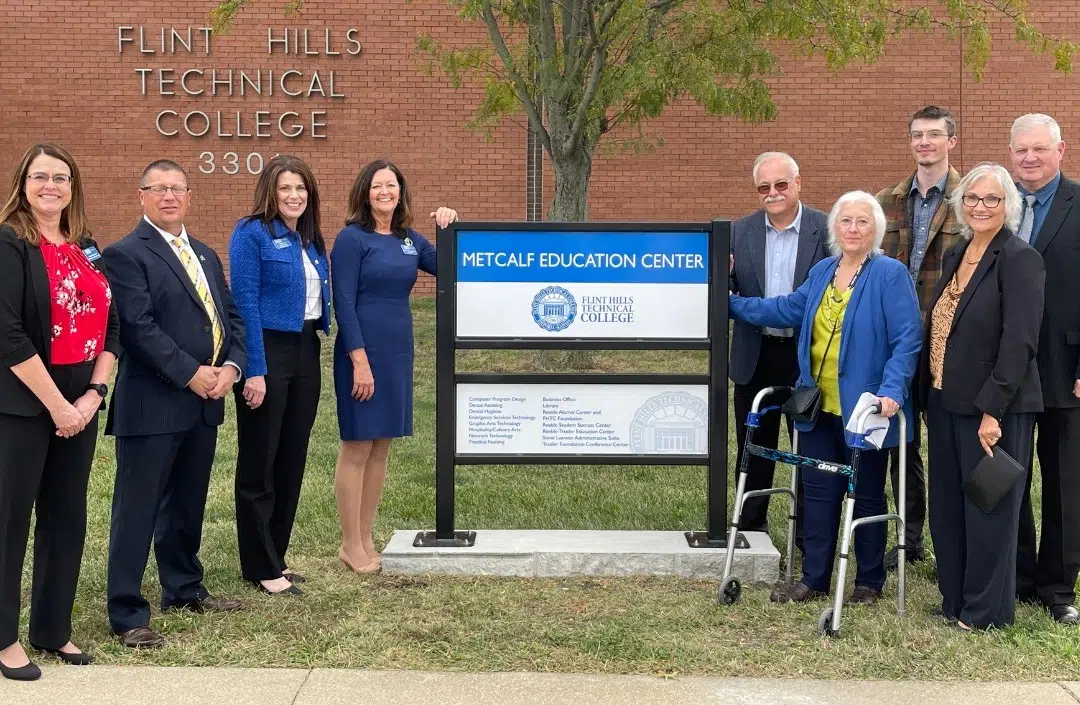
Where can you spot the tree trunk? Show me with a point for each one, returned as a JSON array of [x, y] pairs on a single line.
[[571, 204], [572, 173]]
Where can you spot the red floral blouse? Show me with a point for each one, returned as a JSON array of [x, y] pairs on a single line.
[[80, 304]]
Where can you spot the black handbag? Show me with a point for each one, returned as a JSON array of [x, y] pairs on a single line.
[[992, 479], [803, 405]]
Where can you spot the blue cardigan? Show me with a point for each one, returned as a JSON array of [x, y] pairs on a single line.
[[267, 274], [879, 342]]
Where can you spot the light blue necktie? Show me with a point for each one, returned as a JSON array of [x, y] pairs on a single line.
[[1028, 221]]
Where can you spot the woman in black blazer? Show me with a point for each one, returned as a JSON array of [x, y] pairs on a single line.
[[979, 386], [58, 343]]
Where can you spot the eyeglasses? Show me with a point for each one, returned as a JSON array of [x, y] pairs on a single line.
[[930, 134], [160, 190], [765, 189], [41, 178], [971, 200], [860, 223]]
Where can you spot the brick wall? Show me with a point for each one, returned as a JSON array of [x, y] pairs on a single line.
[[64, 78]]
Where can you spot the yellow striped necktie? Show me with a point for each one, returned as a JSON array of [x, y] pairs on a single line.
[[203, 291]]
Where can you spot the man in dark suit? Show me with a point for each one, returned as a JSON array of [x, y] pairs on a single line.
[[1051, 223], [921, 227], [773, 248], [183, 347]]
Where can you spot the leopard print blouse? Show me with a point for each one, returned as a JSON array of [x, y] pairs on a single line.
[[940, 326]]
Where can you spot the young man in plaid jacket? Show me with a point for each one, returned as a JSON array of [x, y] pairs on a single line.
[[921, 227]]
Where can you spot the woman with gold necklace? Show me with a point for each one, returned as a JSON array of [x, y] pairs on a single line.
[[860, 331], [979, 385]]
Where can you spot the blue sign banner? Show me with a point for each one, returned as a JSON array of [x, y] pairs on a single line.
[[641, 257]]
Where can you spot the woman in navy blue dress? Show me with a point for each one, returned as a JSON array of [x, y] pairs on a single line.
[[374, 264]]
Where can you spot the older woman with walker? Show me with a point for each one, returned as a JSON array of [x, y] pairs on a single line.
[[860, 334]]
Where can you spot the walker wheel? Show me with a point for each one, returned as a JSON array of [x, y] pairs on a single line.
[[730, 591], [824, 623]]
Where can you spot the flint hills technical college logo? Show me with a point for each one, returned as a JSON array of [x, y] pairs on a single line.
[[671, 422], [554, 309]]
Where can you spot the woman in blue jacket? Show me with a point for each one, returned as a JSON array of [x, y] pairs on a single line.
[[280, 282], [860, 331]]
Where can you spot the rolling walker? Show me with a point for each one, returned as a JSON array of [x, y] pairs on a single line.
[[731, 587]]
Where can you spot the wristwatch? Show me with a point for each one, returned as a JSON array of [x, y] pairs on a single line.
[[101, 389]]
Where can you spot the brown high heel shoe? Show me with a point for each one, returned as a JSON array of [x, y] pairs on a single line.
[[367, 568]]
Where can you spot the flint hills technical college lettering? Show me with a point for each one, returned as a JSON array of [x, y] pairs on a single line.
[[200, 82]]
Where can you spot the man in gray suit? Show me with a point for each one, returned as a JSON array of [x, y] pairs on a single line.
[[773, 248]]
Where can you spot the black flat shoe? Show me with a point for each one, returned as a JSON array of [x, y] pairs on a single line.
[[295, 578], [80, 659], [29, 672], [291, 590]]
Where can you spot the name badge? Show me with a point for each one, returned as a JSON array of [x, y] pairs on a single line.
[[281, 243], [92, 253], [407, 246]]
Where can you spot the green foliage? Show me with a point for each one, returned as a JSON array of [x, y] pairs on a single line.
[[642, 55], [580, 69], [222, 16]]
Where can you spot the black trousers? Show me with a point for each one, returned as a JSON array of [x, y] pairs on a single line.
[[915, 501], [273, 444], [778, 366], [976, 552], [1049, 574], [159, 496], [38, 469]]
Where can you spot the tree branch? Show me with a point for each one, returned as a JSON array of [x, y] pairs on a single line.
[[576, 132], [521, 88]]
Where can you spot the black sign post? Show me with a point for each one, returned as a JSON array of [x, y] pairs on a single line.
[[447, 343]]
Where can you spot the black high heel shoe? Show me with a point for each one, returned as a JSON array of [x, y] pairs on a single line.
[[80, 659], [29, 672]]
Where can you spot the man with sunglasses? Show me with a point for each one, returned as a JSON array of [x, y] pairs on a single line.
[[921, 227], [773, 249], [183, 347]]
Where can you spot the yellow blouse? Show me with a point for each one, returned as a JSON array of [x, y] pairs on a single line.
[[828, 323]]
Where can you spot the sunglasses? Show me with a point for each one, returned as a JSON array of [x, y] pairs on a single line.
[[780, 187]]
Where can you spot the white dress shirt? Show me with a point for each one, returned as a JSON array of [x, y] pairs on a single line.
[[313, 303], [781, 251]]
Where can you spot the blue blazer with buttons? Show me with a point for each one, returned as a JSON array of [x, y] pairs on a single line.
[[880, 340], [268, 284]]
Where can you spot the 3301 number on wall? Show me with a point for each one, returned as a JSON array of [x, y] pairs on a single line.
[[231, 163]]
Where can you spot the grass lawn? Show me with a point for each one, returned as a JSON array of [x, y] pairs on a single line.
[[649, 625]]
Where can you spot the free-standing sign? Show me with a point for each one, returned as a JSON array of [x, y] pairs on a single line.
[[598, 286], [581, 284]]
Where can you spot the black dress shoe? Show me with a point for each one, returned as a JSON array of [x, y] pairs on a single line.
[[70, 659], [141, 638], [913, 555], [1065, 614], [291, 590], [863, 595], [29, 672], [799, 592], [295, 578], [207, 604]]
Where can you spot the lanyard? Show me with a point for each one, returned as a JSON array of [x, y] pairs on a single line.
[[836, 321]]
